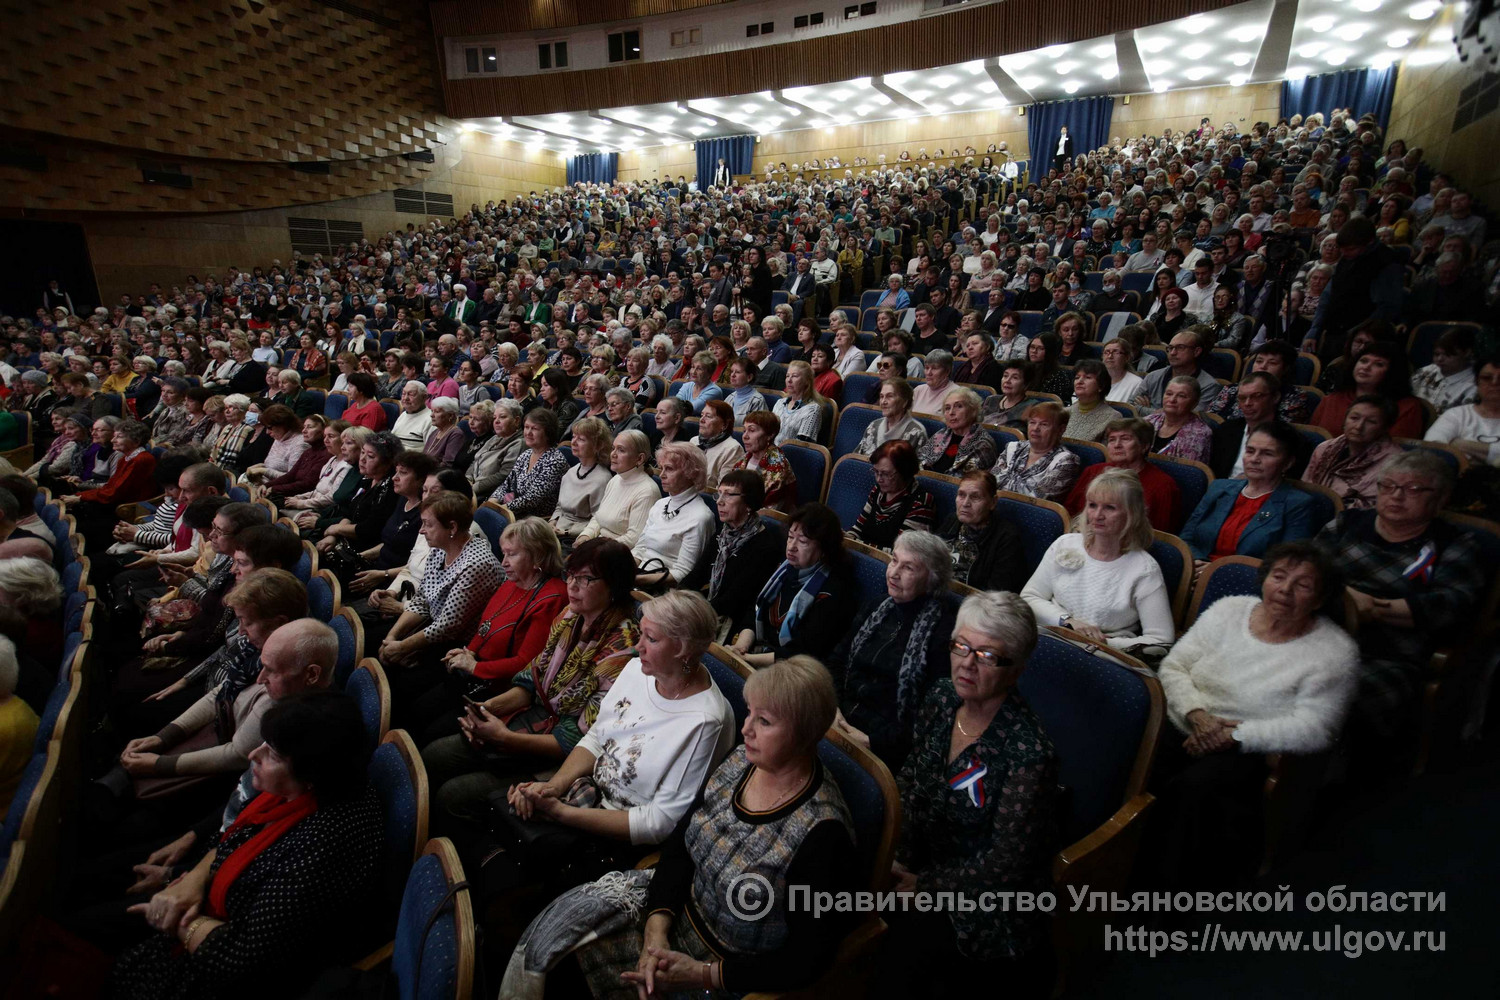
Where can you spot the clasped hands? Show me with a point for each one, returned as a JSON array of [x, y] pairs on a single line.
[[1211, 733]]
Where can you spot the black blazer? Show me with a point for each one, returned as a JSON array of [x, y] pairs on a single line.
[[1001, 561], [744, 577]]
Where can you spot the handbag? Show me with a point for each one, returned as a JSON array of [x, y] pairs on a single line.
[[344, 561]]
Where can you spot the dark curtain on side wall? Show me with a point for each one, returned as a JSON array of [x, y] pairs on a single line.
[[736, 151], [1088, 123], [594, 168], [1364, 91]]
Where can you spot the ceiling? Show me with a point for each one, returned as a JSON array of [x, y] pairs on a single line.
[[1257, 41]]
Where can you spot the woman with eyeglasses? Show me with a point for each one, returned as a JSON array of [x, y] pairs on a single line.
[[895, 649], [806, 605], [978, 800]]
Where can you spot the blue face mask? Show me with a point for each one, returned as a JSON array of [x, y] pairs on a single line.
[[252, 418]]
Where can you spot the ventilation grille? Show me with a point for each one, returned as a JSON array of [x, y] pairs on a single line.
[[414, 202], [1477, 100], [323, 235]]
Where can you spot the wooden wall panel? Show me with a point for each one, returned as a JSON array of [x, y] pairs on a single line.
[[959, 36], [1149, 114], [496, 17]]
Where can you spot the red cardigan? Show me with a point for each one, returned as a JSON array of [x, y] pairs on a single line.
[[371, 415], [132, 481], [1163, 498], [1335, 406], [518, 635]]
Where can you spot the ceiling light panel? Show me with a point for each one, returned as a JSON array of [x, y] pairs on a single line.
[[1203, 50], [1332, 35]]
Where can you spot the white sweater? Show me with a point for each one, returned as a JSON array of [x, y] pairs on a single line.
[[652, 755], [1464, 423], [579, 499], [1290, 696], [623, 511], [721, 458], [1126, 598]]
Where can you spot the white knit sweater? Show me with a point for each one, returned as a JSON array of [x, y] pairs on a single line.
[[1290, 696], [1126, 597]]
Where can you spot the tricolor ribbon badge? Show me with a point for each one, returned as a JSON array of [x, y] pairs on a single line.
[[1422, 568], [971, 780]]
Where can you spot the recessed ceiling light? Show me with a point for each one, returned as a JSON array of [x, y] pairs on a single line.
[[1422, 11], [1241, 58], [1108, 71], [943, 82], [1072, 86], [1103, 51], [1065, 67], [1320, 24], [1238, 80], [1367, 5], [1155, 66], [919, 95], [840, 95], [1162, 86], [1197, 50], [958, 98], [1311, 49], [1155, 44], [975, 68], [1197, 72], [1052, 51], [1247, 33], [1029, 82], [1352, 32], [1397, 39], [1020, 62], [1295, 73], [1336, 57], [1382, 61], [1197, 25], [882, 100]]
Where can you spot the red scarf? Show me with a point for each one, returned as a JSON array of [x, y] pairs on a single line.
[[276, 816]]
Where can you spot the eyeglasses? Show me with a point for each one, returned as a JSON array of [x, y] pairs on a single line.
[[1010, 325], [984, 656], [1388, 487], [582, 579]]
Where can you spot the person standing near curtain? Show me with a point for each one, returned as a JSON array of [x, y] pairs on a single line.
[[722, 176], [1064, 154]]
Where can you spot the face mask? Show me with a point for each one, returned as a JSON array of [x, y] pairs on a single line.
[[252, 418]]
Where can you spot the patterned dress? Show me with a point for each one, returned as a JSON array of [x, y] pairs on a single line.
[[976, 450], [1049, 478], [534, 490], [995, 836], [777, 475], [1438, 574], [882, 518]]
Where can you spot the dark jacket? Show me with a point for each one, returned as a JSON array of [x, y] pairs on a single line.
[[1287, 515], [820, 629], [1225, 448], [1001, 561], [744, 577]]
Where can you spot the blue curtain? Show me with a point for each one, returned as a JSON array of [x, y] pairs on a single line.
[[736, 151], [594, 168], [1087, 119], [1364, 91]]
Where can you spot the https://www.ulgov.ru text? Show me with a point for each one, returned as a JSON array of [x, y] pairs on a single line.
[[1213, 936]]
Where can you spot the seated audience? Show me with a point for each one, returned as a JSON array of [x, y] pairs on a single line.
[[715, 438], [1450, 380], [963, 444], [1350, 463], [1089, 414], [18, 725], [1474, 428], [896, 422], [897, 502], [986, 549], [532, 486], [1380, 369], [1247, 516], [583, 485], [675, 545], [754, 546], [806, 605], [1010, 404], [1039, 466], [628, 495], [1127, 442], [763, 457], [1180, 431]]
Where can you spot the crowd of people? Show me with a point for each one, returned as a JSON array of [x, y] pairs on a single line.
[[592, 361]]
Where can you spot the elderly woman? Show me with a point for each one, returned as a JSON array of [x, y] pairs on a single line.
[[661, 364], [1180, 431], [1008, 407], [234, 435], [701, 387], [716, 440], [31, 588], [985, 549], [307, 361], [446, 439], [595, 389], [808, 602], [1089, 414], [1124, 384], [978, 794], [896, 422], [743, 396], [359, 515], [1100, 580], [895, 649], [628, 496], [360, 570], [763, 456], [937, 370], [896, 502], [619, 411], [666, 717], [1039, 466], [497, 454], [304, 473], [1415, 580], [962, 445], [481, 423], [572, 656], [1253, 676], [460, 573], [343, 445], [289, 392], [644, 390], [894, 296], [771, 790], [72, 428], [675, 543], [531, 488], [848, 358], [1350, 463], [1247, 516], [288, 443], [583, 485], [288, 886]]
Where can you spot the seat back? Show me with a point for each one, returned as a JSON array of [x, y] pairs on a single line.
[[944, 490], [1103, 712], [1224, 577], [371, 691], [493, 523], [1424, 336], [322, 595], [1192, 478], [1041, 522], [392, 410], [869, 565], [857, 386], [874, 803], [853, 478], [853, 420], [811, 464], [1110, 324], [1326, 503], [1088, 452], [351, 632], [1222, 362], [400, 780], [729, 673], [1306, 369], [1176, 561], [334, 404], [441, 949]]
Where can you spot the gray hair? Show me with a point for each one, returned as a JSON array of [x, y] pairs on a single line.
[[291, 375], [619, 393], [510, 407], [316, 643], [482, 407], [32, 585], [238, 400], [446, 404], [944, 358], [1422, 463], [1004, 617], [598, 380], [661, 340], [1325, 269], [933, 552], [144, 359], [636, 440], [685, 616]]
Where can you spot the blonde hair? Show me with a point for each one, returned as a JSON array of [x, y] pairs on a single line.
[[537, 537], [33, 586], [800, 690], [1124, 487], [595, 430], [808, 379], [685, 616]]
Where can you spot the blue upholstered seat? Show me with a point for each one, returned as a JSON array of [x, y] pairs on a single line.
[[1039, 527], [348, 651], [492, 523], [852, 423], [853, 478], [1192, 481], [365, 690], [427, 892], [394, 783], [810, 465], [319, 599]]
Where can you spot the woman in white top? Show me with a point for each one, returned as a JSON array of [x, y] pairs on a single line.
[[1474, 428], [847, 356], [663, 726], [715, 438], [1124, 384], [679, 530], [895, 419], [662, 365], [629, 495], [1100, 581], [801, 409], [583, 485]]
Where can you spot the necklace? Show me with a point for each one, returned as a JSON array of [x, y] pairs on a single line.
[[583, 473], [796, 790], [527, 597], [959, 723]]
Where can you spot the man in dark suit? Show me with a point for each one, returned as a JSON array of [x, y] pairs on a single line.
[[720, 288], [769, 374], [1259, 396], [994, 311], [945, 317], [801, 285], [1064, 150]]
